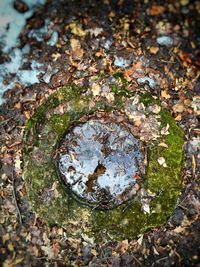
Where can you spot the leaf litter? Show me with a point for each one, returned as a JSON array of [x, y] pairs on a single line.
[[86, 46]]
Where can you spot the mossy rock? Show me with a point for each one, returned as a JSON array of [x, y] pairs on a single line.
[[56, 205]]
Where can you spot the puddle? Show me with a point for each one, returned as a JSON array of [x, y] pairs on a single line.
[[100, 162], [121, 62], [11, 24], [164, 41], [150, 81]]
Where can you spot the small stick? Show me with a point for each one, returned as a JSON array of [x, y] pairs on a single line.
[[15, 198], [104, 256], [136, 260], [159, 260]]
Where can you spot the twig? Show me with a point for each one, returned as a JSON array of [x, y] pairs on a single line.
[[104, 257], [167, 61], [184, 208], [136, 260], [5, 121], [15, 198], [161, 259]]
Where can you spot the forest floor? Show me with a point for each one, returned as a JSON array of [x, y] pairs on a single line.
[[156, 47]]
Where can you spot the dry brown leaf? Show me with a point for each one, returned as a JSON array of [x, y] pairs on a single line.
[[124, 246], [18, 105], [154, 49], [135, 66], [165, 95], [78, 53], [99, 54], [156, 10], [75, 43], [179, 117], [27, 114], [55, 249], [178, 108]]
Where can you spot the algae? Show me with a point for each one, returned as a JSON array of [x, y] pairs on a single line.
[[56, 205]]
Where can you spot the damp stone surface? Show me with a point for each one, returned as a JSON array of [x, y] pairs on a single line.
[[69, 110], [101, 162]]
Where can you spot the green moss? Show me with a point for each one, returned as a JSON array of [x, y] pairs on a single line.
[[59, 122], [56, 204], [147, 99]]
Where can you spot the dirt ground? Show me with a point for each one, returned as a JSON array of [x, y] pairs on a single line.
[[156, 46]]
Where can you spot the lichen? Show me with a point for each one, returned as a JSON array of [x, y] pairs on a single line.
[[56, 205]]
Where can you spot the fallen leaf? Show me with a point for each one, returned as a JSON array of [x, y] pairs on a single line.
[[5, 238], [146, 208], [56, 56], [165, 95], [94, 252], [124, 246], [48, 251], [55, 249], [155, 251], [96, 89], [110, 97], [154, 49], [18, 164], [163, 145], [162, 162], [184, 2], [179, 107], [27, 114], [76, 29], [95, 31], [75, 44], [179, 117], [155, 109], [140, 239], [87, 239], [136, 66], [99, 54], [18, 105], [164, 130], [156, 10]]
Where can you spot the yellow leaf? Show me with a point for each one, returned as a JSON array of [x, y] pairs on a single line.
[[96, 89], [5, 238], [75, 44], [164, 94], [77, 29]]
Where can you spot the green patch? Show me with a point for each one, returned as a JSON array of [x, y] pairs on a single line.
[[56, 205]]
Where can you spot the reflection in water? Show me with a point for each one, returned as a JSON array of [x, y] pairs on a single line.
[[11, 24], [100, 162]]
